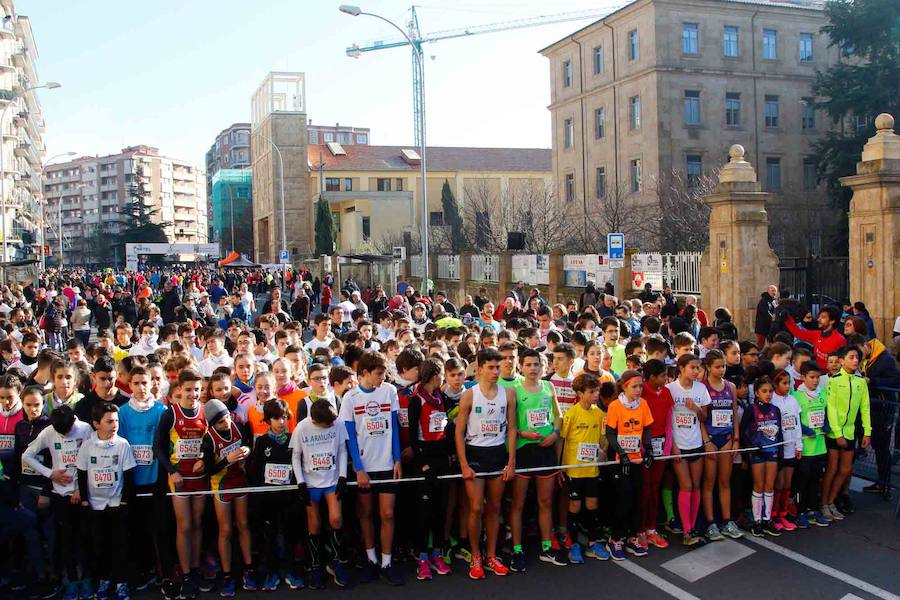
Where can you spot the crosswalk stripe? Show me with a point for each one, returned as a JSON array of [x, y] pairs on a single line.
[[655, 580]]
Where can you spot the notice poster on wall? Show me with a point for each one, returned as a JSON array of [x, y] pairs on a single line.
[[647, 268], [532, 269], [581, 268]]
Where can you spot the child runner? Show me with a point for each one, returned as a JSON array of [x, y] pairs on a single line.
[[791, 452], [813, 425], [761, 429], [485, 428], [661, 405]]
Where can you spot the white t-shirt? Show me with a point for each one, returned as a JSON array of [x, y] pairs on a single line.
[[211, 363], [319, 454], [105, 462], [26, 369], [790, 423], [314, 344], [63, 453], [685, 426], [371, 412]]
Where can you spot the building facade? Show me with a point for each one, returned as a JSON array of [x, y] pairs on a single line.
[[232, 210], [665, 86], [88, 196], [21, 144], [342, 134], [230, 150]]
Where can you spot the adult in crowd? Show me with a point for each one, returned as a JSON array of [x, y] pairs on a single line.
[[765, 314]]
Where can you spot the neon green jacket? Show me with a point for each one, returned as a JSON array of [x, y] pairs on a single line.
[[847, 396]]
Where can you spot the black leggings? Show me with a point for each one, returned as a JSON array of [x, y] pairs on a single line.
[[628, 481], [106, 539], [431, 497], [808, 480], [69, 535], [275, 512]]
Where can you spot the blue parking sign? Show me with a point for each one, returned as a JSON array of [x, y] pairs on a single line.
[[615, 244]]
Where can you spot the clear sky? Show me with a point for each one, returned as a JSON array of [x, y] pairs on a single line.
[[173, 73]]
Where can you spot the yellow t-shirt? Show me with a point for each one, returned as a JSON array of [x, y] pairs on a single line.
[[583, 431]]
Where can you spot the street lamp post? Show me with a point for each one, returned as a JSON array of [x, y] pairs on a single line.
[[50, 85], [59, 217], [281, 185], [355, 11]]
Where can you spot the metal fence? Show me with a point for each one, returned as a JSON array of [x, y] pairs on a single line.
[[865, 466], [681, 271], [448, 266], [815, 281], [485, 267]]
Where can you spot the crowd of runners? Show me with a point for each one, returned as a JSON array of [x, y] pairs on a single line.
[[198, 432]]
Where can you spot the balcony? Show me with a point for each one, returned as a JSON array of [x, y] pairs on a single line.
[[8, 30]]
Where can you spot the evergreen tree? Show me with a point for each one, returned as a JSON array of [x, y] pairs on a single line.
[[140, 225], [452, 218], [324, 228]]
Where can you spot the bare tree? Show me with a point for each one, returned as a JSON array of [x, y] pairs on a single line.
[[800, 226], [616, 211], [385, 243], [485, 218], [678, 219]]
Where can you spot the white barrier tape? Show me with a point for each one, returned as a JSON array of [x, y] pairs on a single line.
[[288, 487]]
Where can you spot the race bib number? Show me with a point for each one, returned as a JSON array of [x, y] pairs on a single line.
[[817, 419], [538, 417], [657, 446], [322, 461], [789, 422], [490, 428], [187, 448], [722, 417], [69, 457], [630, 443], [403, 418], [230, 448], [378, 425], [143, 454], [103, 478], [7, 442], [588, 452], [277, 474], [769, 430], [685, 420], [437, 422]]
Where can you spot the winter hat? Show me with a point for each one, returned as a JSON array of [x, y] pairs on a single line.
[[214, 411]]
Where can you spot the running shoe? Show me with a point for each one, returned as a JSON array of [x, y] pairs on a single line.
[[656, 540], [517, 562], [825, 511], [634, 548], [615, 549], [369, 572], [202, 583], [786, 525], [575, 556], [771, 529], [85, 589], [249, 581], [713, 534], [170, 590], [689, 539], [294, 579], [437, 563], [45, 589], [757, 529], [316, 579], [596, 550], [123, 592], [554, 557], [496, 566], [476, 570], [776, 524], [566, 540], [818, 519], [836, 513], [423, 570], [144, 581], [731, 530], [103, 589], [462, 553], [71, 592], [846, 504], [338, 574], [270, 582], [229, 587], [802, 521], [673, 526], [392, 575]]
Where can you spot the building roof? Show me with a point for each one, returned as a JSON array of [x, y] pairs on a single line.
[[440, 158]]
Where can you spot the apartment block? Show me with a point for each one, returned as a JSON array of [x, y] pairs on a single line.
[[230, 150], [342, 134], [231, 204], [668, 85], [88, 195]]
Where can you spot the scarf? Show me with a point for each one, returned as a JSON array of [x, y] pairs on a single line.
[[244, 387], [289, 388], [141, 406], [280, 438], [432, 398], [15, 408], [877, 349], [27, 360], [629, 404]]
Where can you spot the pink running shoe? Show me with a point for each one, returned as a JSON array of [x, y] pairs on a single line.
[[423, 570], [785, 524], [438, 564], [776, 523]]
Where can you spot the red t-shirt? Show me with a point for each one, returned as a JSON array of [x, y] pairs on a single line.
[[661, 403]]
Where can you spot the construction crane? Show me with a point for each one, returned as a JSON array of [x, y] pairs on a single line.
[[418, 39]]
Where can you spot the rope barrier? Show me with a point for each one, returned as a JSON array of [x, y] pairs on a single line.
[[288, 487]]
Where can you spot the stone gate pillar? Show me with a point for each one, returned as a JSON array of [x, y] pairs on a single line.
[[875, 227], [738, 265]]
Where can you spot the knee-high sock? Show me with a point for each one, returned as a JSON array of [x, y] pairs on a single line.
[[695, 507], [668, 502], [768, 501], [756, 504], [684, 510]]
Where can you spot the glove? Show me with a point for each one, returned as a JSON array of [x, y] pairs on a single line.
[[624, 464], [648, 457], [304, 494], [340, 488], [430, 476]]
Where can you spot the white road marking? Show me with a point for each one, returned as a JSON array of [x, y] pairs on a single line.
[[697, 564], [823, 568], [857, 484], [851, 597], [655, 580]]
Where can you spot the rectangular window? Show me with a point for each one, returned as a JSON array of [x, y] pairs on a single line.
[[806, 47], [328, 137], [348, 184], [807, 113], [770, 44], [810, 177], [694, 169], [366, 228], [600, 123], [362, 138], [690, 43], [862, 122], [383, 184], [568, 133], [601, 182], [570, 187], [344, 138], [635, 175], [399, 182], [730, 45], [598, 60], [332, 184], [634, 50], [634, 112], [732, 110], [771, 111], [691, 107], [567, 73], [436, 219], [773, 174]]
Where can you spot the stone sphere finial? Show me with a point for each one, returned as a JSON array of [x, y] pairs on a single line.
[[736, 152], [884, 121]]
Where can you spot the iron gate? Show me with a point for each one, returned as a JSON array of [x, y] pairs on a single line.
[[815, 281]]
